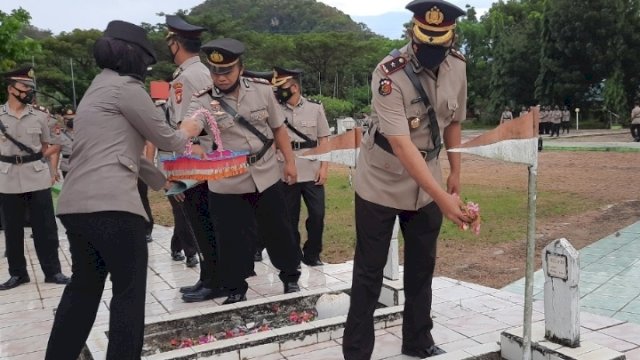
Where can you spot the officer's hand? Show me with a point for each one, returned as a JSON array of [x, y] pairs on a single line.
[[179, 197], [290, 173], [450, 205], [198, 151], [321, 176], [191, 127], [453, 184]]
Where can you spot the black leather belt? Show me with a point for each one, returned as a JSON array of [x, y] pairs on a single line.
[[21, 159], [382, 141], [297, 145], [65, 156], [255, 157]]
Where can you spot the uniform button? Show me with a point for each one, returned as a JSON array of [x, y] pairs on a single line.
[[130, 166]]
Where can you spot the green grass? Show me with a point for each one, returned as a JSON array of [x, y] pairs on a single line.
[[503, 211]]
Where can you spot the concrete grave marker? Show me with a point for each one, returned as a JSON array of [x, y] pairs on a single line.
[[561, 294]]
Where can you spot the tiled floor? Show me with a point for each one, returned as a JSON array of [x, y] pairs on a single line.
[[610, 269], [466, 315]]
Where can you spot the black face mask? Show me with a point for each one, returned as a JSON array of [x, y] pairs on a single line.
[[173, 54], [430, 56], [70, 123], [283, 95], [29, 95]]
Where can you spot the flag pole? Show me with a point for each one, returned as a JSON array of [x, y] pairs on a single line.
[[531, 250]]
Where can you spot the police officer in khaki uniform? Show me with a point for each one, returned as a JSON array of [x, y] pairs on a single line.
[[419, 100], [566, 119], [249, 119], [556, 119], [308, 128], [25, 181], [192, 76], [635, 122], [523, 111], [506, 115], [66, 141], [99, 204], [183, 42]]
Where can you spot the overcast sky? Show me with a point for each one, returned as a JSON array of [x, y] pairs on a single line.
[[66, 15]]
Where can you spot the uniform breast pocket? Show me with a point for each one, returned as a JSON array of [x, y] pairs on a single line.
[[381, 159], [309, 128], [35, 134], [224, 122]]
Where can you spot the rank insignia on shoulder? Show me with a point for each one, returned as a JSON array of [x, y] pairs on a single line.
[[385, 87], [458, 54], [315, 101], [203, 91], [394, 65], [259, 80]]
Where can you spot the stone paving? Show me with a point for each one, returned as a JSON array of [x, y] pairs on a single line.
[[468, 317]]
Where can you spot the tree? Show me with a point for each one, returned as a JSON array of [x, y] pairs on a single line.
[[13, 44]]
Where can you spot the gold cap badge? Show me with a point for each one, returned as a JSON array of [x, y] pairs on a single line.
[[216, 57], [434, 16]]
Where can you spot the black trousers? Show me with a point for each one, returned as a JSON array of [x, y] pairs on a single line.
[[313, 196], [143, 190], [635, 131], [374, 225], [555, 129], [196, 206], [103, 243], [182, 238], [43, 223], [566, 126], [231, 213]]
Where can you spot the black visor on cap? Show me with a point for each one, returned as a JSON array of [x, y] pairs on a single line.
[[131, 33]]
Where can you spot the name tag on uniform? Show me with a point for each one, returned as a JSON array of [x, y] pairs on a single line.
[[34, 130], [259, 115]]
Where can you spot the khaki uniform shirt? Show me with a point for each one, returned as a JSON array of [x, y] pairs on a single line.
[[380, 177], [66, 145], [307, 117], [113, 120], [544, 116], [566, 115], [523, 113], [31, 129], [556, 116], [257, 104], [507, 115], [635, 115], [190, 77]]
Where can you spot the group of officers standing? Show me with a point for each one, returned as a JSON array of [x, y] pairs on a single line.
[[419, 101], [551, 120]]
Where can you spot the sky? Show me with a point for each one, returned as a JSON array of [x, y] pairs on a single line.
[[66, 15]]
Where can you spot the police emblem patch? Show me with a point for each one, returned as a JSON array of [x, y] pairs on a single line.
[[385, 87], [178, 92]]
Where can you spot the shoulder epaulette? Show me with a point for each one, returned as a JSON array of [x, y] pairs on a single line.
[[203, 91], [3, 109], [259, 80], [315, 101], [458, 54], [394, 65], [41, 108]]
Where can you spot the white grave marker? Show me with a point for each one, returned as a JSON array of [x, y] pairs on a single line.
[[561, 294]]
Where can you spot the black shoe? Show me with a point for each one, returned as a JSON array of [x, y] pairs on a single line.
[[234, 298], [193, 288], [148, 238], [312, 262], [203, 294], [58, 278], [257, 256], [177, 256], [291, 287], [14, 281], [192, 261], [423, 353]]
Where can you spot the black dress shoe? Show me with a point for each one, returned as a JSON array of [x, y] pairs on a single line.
[[312, 262], [177, 256], [423, 353], [192, 261], [291, 287], [257, 256], [148, 238], [203, 294], [234, 298], [58, 278], [195, 287], [14, 281]]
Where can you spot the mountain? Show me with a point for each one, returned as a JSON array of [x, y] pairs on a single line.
[[389, 24], [274, 16]]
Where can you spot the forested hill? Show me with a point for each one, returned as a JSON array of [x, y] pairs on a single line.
[[275, 16]]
